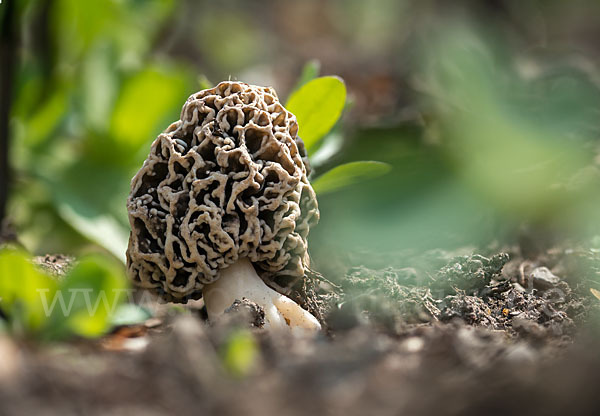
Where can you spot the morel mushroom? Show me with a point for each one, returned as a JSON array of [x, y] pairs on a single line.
[[222, 206]]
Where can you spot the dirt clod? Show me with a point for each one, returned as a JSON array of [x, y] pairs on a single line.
[[56, 264], [543, 278], [246, 312]]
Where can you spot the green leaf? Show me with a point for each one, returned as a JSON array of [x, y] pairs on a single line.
[[24, 291], [128, 26], [147, 102], [77, 25], [83, 303], [91, 198], [88, 298], [98, 87], [348, 174], [104, 230], [317, 106], [39, 127], [240, 353], [327, 149], [310, 71], [130, 314]]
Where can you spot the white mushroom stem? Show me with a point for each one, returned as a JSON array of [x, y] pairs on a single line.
[[240, 281]]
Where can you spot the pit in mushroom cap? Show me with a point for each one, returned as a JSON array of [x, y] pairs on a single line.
[[226, 181]]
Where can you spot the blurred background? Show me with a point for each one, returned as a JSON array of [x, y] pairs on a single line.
[[487, 112]]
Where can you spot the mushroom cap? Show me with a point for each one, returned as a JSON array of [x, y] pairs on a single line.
[[226, 181]]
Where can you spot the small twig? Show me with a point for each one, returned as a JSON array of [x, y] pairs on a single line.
[[522, 266]]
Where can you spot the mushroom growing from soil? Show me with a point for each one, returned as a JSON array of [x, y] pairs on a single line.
[[222, 206]]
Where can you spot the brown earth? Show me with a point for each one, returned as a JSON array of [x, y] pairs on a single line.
[[438, 335]]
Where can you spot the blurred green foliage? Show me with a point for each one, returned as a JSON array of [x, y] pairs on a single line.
[[82, 303], [500, 140], [104, 98], [517, 140], [22, 298], [128, 314], [317, 105], [348, 174], [87, 107], [240, 353], [484, 114]]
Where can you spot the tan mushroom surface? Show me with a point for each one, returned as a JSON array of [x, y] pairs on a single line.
[[225, 183]]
